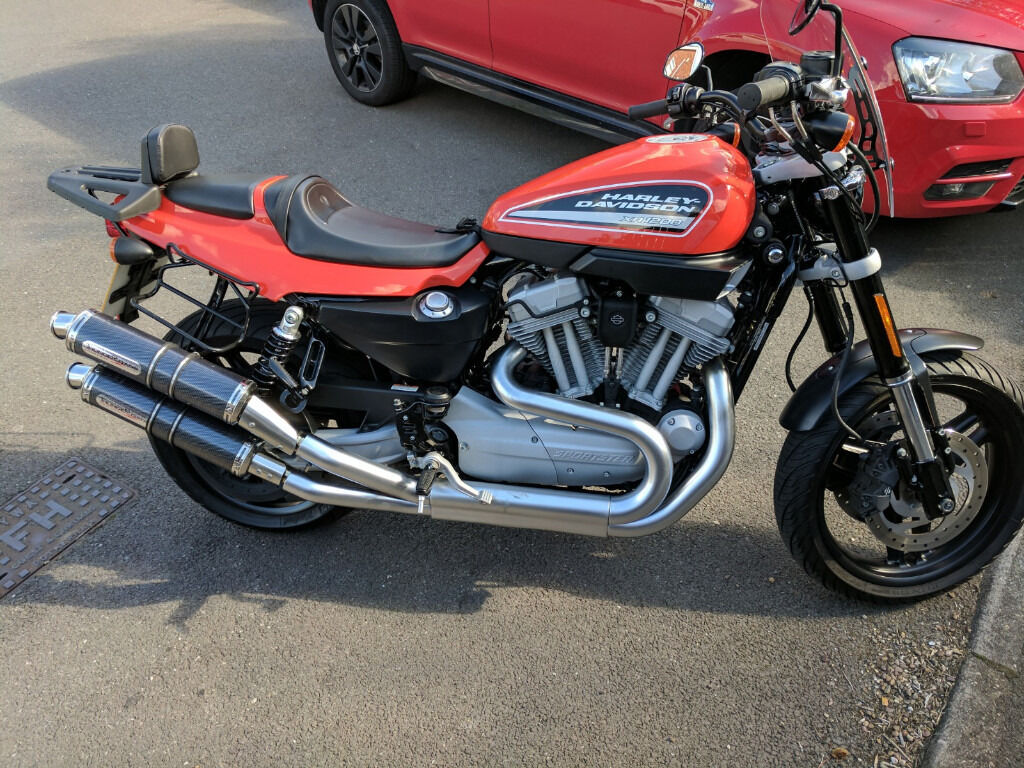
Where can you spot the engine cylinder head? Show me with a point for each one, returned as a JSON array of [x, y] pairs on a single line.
[[683, 335], [549, 318]]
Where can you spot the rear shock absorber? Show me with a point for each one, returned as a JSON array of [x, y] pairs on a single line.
[[279, 345]]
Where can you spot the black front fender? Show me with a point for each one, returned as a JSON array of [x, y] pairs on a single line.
[[811, 403]]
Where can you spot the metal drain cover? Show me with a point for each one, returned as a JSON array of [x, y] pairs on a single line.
[[41, 522]]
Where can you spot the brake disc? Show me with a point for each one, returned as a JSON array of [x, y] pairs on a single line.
[[893, 512]]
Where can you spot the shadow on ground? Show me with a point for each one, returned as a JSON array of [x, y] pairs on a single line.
[[166, 549], [105, 104]]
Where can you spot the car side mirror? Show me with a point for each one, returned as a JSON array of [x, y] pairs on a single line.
[[684, 62]]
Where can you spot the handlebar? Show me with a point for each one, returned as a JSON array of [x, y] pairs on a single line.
[[649, 109], [777, 82], [763, 92]]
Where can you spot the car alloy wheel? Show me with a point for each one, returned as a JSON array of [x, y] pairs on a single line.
[[357, 47]]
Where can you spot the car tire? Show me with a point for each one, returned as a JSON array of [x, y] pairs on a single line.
[[366, 52]]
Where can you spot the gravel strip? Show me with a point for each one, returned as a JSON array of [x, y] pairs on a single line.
[[904, 690]]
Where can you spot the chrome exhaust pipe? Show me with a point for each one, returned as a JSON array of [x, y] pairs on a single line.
[[709, 470], [619, 508], [645, 509], [557, 510]]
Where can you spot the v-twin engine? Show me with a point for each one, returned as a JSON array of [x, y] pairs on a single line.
[[555, 320]]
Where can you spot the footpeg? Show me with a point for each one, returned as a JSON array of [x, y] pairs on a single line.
[[433, 463]]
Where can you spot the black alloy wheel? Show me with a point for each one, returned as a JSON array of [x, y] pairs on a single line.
[[357, 47], [366, 51], [853, 522]]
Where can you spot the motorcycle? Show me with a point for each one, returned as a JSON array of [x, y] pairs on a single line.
[[571, 363]]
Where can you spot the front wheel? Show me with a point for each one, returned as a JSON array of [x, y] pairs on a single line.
[[854, 524]]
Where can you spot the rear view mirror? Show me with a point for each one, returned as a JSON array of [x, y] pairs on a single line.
[[683, 62]]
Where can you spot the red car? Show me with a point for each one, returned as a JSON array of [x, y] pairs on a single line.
[[947, 73]]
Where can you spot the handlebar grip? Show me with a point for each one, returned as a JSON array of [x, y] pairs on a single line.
[[650, 109], [763, 92]]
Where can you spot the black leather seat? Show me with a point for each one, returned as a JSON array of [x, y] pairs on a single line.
[[222, 194], [169, 159], [316, 221]]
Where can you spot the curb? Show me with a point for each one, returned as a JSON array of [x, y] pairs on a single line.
[[981, 727]]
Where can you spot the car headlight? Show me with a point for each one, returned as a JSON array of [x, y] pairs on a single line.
[[947, 71]]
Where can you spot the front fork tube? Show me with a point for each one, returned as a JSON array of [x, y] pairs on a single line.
[[826, 311], [911, 392]]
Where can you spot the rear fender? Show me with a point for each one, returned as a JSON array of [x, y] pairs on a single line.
[[810, 405]]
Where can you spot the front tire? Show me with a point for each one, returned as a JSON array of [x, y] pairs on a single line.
[[865, 549], [366, 52]]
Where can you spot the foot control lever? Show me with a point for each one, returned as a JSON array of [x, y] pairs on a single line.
[[434, 463]]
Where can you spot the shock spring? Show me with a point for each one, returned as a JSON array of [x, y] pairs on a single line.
[[278, 347]]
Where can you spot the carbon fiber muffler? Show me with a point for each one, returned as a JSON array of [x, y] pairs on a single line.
[[187, 378], [181, 426], [162, 366]]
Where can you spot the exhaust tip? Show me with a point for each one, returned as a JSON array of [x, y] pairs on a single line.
[[60, 323], [77, 374]]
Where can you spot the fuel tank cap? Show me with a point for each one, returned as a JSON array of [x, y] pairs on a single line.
[[436, 304]]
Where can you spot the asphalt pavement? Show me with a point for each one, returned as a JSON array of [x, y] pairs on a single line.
[[170, 637]]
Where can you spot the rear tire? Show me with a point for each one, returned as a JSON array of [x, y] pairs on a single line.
[[366, 52], [247, 501], [830, 537]]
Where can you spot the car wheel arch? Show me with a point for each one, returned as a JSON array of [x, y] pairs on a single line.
[[734, 67], [318, 12]]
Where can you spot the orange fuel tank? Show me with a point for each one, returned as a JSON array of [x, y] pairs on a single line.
[[687, 194]]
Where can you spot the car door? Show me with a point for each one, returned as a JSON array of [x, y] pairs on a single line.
[[459, 28], [608, 52]]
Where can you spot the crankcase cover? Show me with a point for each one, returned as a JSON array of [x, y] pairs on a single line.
[[687, 194], [504, 445]]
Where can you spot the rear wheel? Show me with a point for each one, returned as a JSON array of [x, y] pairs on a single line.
[[853, 522], [366, 51], [245, 500]]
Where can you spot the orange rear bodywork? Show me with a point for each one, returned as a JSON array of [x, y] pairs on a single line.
[[252, 250]]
